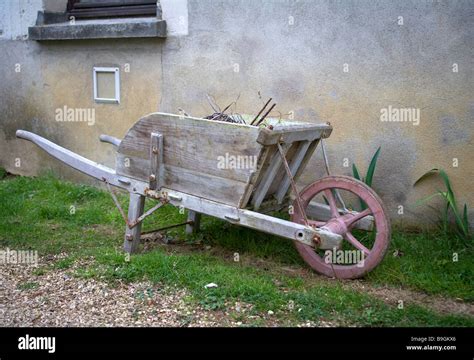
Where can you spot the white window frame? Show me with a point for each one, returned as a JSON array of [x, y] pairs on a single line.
[[116, 70]]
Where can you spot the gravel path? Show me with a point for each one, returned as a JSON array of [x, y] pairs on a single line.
[[55, 298]]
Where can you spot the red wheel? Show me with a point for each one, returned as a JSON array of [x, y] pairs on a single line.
[[371, 245]]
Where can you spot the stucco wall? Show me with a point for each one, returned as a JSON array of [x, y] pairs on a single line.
[[16, 16], [398, 53]]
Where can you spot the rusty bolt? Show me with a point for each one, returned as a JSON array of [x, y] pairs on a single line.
[[270, 127], [317, 240]]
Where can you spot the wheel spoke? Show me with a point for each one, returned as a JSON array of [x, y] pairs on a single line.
[[350, 221], [356, 243], [316, 223], [332, 202]]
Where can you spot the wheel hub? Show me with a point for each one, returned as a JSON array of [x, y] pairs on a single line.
[[337, 225]]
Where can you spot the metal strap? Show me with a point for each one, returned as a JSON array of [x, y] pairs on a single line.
[[114, 198], [293, 185], [132, 224]]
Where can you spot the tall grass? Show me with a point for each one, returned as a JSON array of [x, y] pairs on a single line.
[[369, 176]]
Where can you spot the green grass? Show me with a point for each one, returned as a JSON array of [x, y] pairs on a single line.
[[27, 286], [427, 264], [325, 301], [36, 214]]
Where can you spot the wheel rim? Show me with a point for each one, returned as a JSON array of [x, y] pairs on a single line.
[[343, 224]]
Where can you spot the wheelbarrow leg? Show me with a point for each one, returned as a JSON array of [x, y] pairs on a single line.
[[195, 217], [135, 210]]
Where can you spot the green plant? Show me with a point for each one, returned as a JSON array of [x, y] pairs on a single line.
[[368, 176], [370, 170], [461, 224]]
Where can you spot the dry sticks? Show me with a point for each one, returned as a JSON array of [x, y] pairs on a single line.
[[264, 106], [257, 123], [264, 116], [220, 115]]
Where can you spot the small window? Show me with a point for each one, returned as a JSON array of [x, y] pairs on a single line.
[[107, 84], [94, 9]]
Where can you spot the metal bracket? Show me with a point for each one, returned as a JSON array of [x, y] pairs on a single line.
[[156, 160], [132, 224]]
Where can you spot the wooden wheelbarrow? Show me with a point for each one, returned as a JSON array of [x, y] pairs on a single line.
[[238, 173]]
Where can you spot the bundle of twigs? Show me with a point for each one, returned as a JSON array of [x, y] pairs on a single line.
[[220, 115]]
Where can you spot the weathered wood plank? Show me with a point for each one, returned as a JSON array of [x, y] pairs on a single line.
[[194, 148], [306, 132], [254, 220], [133, 167], [282, 172], [204, 185], [219, 189], [268, 177], [197, 144], [84, 165], [307, 157]]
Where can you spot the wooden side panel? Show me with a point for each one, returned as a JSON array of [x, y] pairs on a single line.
[[200, 184], [261, 190], [297, 161], [294, 164], [223, 162], [307, 157], [201, 157], [133, 166], [282, 172]]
